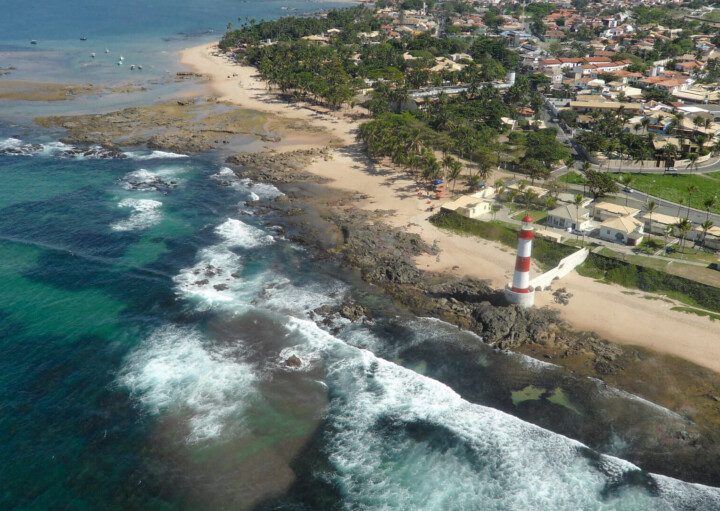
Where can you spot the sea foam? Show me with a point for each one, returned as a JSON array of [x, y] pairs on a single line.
[[252, 190], [216, 278], [154, 155], [176, 371], [145, 213], [399, 440]]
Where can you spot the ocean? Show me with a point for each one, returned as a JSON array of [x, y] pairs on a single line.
[[148, 306]]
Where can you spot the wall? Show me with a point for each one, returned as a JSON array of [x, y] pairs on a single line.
[[565, 266]]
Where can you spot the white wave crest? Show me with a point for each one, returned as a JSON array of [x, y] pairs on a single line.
[[399, 440], [145, 213], [215, 279], [239, 234], [16, 147], [154, 155], [146, 180], [175, 371], [253, 191]]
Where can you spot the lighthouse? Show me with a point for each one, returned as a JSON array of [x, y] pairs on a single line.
[[520, 291]]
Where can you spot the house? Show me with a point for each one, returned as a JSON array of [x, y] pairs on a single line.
[[568, 217], [711, 240], [589, 106], [659, 223], [623, 229], [474, 205], [604, 210]]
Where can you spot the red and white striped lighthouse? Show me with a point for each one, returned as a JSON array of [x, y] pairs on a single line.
[[520, 291]]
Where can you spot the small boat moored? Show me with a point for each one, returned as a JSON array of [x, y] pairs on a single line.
[[33, 41]]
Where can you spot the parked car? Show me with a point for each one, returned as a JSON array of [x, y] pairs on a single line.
[[714, 266]]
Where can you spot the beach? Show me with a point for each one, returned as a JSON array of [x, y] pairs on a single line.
[[607, 310]]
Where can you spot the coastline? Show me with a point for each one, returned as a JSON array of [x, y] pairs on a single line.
[[607, 310]]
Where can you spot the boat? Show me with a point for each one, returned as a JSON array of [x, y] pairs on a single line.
[[83, 38], [140, 68], [122, 58], [33, 41], [92, 55], [132, 67], [107, 50]]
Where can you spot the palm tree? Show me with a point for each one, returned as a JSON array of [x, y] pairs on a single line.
[[683, 227], [494, 209], [455, 172], [651, 207], [528, 196], [691, 190], [669, 230], [706, 226], [693, 157], [626, 180], [680, 202], [578, 202], [446, 163], [708, 204]]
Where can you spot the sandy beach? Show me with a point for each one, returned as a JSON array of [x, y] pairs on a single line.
[[605, 309]]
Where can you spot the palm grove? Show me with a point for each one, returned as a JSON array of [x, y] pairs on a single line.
[[427, 141]]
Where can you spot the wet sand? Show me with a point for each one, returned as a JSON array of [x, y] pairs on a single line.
[[24, 90]]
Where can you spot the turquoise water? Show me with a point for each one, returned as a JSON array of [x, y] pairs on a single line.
[[148, 305]]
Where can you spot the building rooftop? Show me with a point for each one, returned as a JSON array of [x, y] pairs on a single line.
[[617, 209], [569, 212], [626, 224]]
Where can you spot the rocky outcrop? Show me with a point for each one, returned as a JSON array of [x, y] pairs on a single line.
[[278, 168]]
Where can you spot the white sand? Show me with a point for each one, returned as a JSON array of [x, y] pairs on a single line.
[[597, 307]]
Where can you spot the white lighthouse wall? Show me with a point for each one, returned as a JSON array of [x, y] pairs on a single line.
[[524, 248], [521, 280]]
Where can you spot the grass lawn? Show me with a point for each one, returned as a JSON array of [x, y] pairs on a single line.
[[572, 178], [536, 214], [674, 188], [692, 254]]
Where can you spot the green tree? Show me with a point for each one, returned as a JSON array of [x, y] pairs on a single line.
[[708, 204], [706, 226], [651, 207], [626, 180], [600, 183], [683, 227]]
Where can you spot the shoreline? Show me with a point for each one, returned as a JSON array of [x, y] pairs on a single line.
[[627, 319]]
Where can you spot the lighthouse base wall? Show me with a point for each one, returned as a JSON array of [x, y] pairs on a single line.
[[521, 299]]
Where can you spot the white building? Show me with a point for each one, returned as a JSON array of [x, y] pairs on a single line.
[[624, 229], [569, 217]]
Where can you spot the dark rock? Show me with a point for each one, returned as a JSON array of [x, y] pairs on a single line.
[[353, 312], [293, 361], [221, 287]]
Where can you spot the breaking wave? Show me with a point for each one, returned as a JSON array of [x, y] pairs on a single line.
[[176, 371], [252, 190], [145, 213], [17, 147], [154, 155], [217, 276], [146, 180], [399, 440]]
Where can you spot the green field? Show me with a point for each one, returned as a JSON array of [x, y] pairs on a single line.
[[675, 188], [572, 177]]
